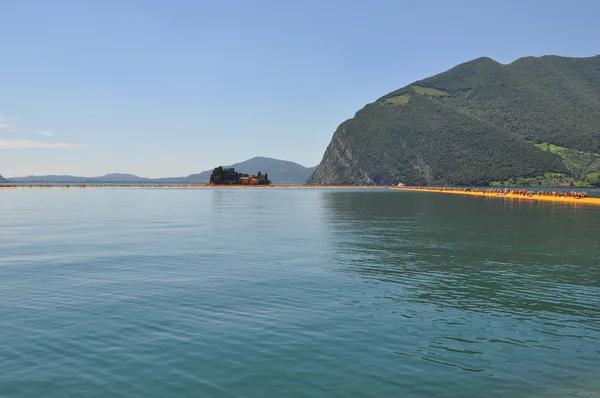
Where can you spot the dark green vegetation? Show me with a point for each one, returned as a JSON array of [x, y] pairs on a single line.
[[533, 122], [229, 176], [582, 169]]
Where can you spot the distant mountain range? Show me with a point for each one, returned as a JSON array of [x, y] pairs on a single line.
[[2, 179], [279, 171], [115, 177]]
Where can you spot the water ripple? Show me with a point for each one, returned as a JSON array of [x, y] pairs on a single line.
[[295, 293]]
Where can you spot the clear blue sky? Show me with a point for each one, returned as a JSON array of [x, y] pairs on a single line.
[[169, 88]]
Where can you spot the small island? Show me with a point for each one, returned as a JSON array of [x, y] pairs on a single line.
[[229, 176]]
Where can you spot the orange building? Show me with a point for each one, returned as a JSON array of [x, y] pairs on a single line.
[[248, 181]]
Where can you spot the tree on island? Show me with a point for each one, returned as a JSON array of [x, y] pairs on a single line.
[[221, 176], [263, 179], [229, 176]]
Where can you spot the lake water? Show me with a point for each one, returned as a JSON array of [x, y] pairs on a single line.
[[296, 293]]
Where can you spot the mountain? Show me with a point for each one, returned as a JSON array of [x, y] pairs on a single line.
[[279, 171], [535, 121], [72, 179], [3, 180], [50, 178], [118, 177]]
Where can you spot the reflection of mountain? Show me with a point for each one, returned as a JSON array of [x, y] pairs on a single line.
[[470, 254], [472, 286]]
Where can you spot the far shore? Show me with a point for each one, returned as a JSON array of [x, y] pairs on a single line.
[[187, 186], [452, 191]]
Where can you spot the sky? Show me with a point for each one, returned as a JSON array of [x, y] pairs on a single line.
[[171, 88]]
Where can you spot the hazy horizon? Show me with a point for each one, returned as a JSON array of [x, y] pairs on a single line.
[[164, 90], [145, 176]]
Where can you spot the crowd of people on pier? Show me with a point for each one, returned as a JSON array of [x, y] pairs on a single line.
[[506, 191]]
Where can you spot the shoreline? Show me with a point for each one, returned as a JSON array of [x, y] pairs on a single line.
[[571, 200], [191, 186], [560, 199]]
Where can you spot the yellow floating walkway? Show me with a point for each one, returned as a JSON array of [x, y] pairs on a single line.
[[544, 198]]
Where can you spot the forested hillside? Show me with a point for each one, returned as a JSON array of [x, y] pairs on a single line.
[[535, 121]]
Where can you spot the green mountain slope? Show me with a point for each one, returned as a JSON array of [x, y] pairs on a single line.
[[477, 123]]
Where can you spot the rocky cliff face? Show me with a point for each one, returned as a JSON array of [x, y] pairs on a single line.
[[479, 123], [339, 165]]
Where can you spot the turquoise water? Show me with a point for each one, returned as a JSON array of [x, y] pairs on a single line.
[[299, 293]]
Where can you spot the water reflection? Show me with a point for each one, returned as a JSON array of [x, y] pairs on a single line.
[[469, 252], [486, 284]]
